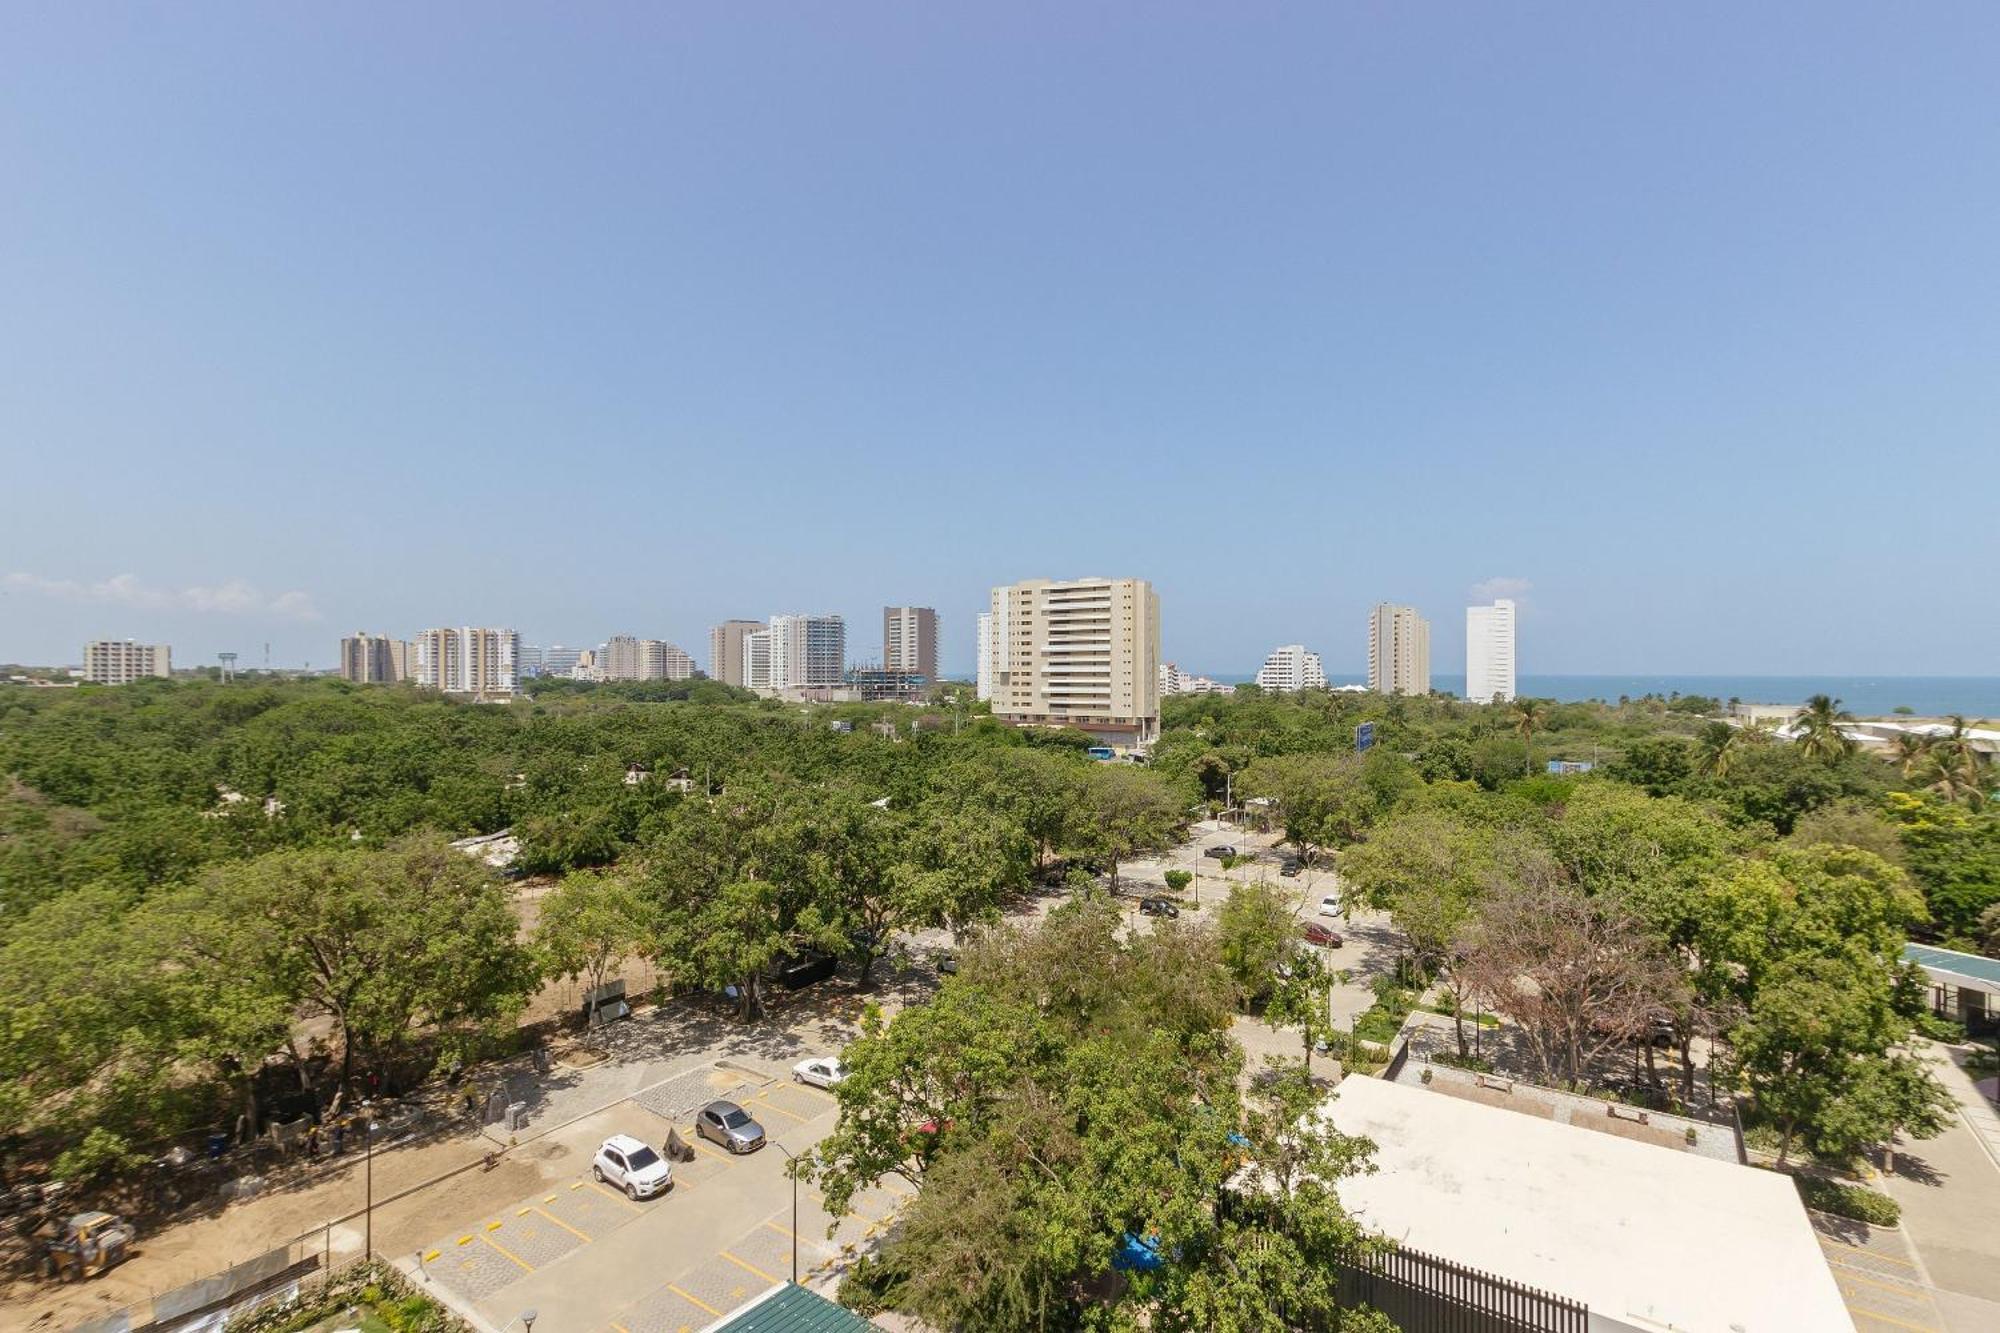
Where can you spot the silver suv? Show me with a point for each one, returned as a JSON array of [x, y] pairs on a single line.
[[630, 1165]]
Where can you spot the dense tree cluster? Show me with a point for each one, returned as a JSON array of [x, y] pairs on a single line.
[[1070, 1098], [210, 894], [213, 898]]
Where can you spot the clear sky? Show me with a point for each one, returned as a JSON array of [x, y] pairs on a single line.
[[1682, 319]]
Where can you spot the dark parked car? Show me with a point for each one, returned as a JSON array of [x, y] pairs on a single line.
[[1219, 852], [1158, 906], [1314, 933], [1291, 865], [803, 972]]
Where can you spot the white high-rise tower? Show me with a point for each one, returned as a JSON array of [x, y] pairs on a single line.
[[1489, 652]]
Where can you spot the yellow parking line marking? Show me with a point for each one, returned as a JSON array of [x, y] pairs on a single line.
[[620, 1327], [430, 1256], [465, 1240], [526, 1267], [1901, 1323], [702, 1147], [559, 1222], [610, 1193], [1903, 1289], [767, 1106], [694, 1300], [747, 1266], [782, 1231], [817, 1092]]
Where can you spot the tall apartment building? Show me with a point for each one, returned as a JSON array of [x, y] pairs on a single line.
[[909, 640], [796, 653], [1083, 653], [725, 650], [753, 670], [122, 661], [629, 658], [1399, 651], [1489, 652], [374, 659], [469, 660], [983, 674], [1292, 667]]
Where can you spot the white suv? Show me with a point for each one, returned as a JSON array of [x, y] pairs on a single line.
[[632, 1166]]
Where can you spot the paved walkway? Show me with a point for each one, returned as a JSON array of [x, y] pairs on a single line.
[[1949, 1189]]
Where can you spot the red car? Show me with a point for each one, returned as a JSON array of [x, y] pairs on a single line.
[[1315, 933]]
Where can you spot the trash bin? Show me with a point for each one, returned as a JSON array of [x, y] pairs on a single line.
[[517, 1115], [218, 1144]]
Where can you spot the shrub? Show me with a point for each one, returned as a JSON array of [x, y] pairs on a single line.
[[1178, 880], [1478, 1064], [1853, 1201], [1942, 1029]]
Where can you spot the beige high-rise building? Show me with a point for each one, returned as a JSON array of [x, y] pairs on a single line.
[[629, 658], [374, 659], [909, 640], [1083, 653], [122, 661], [1399, 651], [725, 650], [475, 661]]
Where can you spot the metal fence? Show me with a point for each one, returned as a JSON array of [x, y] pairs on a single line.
[[1424, 1294], [219, 1299]]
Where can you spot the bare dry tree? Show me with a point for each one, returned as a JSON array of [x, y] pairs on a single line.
[[1578, 974]]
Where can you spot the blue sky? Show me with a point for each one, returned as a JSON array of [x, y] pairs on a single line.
[[609, 318]]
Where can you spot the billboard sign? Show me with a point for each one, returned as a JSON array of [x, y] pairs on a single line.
[[1364, 736]]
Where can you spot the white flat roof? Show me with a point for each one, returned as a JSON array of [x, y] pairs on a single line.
[[1647, 1237]]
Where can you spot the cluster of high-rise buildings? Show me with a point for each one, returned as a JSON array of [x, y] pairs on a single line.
[[1399, 651], [1081, 653], [788, 656], [1399, 658]]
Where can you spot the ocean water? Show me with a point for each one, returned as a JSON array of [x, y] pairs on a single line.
[[1865, 696]]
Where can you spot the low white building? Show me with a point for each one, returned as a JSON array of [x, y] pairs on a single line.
[[1649, 1238], [1292, 667]]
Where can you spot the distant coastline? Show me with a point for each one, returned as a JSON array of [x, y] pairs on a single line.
[[1864, 696]]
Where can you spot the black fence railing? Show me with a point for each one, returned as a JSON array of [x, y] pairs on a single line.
[[1424, 1294]]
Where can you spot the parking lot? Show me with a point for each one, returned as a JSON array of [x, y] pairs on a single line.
[[583, 1256]]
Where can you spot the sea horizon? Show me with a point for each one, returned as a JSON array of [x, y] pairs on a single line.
[[1862, 695]]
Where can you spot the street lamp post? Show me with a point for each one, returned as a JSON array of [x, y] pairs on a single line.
[[368, 1170], [793, 1172]]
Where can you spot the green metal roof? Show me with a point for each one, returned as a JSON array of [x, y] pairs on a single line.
[[792, 1309], [1970, 969]]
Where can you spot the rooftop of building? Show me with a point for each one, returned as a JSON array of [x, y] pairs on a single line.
[[790, 1308], [1970, 970], [1647, 1237]]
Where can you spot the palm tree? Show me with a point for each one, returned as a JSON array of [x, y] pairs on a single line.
[[1818, 729], [1720, 744], [1910, 749], [1529, 714], [1956, 767]]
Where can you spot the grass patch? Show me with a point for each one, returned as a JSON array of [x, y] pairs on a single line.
[[1851, 1201], [1384, 1019]]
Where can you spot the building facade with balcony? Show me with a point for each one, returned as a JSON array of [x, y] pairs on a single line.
[[1083, 653]]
